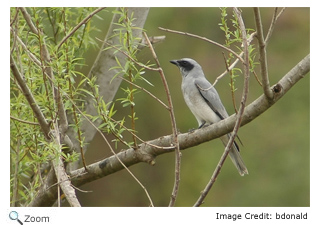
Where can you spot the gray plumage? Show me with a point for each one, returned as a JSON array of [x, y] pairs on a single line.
[[205, 104]]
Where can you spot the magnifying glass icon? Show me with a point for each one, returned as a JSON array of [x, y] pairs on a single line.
[[13, 215]]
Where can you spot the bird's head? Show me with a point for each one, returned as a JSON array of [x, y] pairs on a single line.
[[187, 66]]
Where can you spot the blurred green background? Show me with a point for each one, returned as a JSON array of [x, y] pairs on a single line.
[[276, 145]]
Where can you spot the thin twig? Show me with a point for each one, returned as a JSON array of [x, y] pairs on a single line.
[[229, 68], [234, 63], [15, 17], [24, 121], [114, 153], [146, 91], [273, 23], [30, 54], [85, 20], [141, 140], [239, 115], [263, 55], [127, 55], [204, 39], [30, 98], [173, 124], [71, 92], [140, 65], [28, 20]]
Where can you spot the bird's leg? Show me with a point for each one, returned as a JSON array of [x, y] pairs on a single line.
[[191, 130], [202, 125]]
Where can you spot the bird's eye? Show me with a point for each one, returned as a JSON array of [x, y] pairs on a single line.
[[184, 63]]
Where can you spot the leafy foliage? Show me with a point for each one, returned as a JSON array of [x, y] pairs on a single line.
[[233, 40], [30, 151]]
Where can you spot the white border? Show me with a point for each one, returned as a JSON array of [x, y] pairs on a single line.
[[158, 217]]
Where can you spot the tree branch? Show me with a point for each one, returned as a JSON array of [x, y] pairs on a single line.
[[31, 100], [28, 20], [186, 140], [263, 54], [79, 25], [273, 23], [46, 196], [231, 66], [65, 183], [204, 39]]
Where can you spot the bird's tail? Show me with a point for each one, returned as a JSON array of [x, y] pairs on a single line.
[[235, 156]]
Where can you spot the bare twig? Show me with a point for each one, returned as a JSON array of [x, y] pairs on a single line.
[[28, 20], [15, 17], [263, 54], [153, 40], [204, 39], [146, 91], [239, 115], [85, 20], [24, 121], [273, 23], [141, 140], [127, 55], [173, 124]]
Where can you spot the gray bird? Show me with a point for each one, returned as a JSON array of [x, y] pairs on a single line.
[[204, 102]]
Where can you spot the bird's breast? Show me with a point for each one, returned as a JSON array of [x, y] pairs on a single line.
[[198, 106]]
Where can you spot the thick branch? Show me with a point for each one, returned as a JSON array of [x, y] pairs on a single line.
[[147, 153], [47, 195], [64, 182]]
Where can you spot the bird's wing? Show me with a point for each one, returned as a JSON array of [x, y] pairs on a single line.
[[210, 95]]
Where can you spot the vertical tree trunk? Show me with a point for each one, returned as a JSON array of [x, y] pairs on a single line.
[[105, 60]]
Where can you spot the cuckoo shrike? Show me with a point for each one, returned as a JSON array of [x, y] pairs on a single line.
[[204, 102]]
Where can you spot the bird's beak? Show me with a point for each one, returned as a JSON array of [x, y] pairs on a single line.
[[174, 62]]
